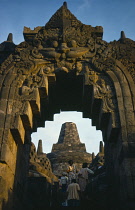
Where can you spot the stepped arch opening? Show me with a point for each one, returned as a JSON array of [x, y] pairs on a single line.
[[50, 134]]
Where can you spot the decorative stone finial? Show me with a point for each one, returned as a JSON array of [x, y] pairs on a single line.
[[65, 4], [10, 37], [123, 35], [101, 147], [93, 155], [39, 149]]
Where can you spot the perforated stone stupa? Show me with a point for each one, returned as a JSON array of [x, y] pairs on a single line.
[[39, 164], [68, 147]]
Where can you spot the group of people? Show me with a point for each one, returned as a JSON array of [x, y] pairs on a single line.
[[73, 183]]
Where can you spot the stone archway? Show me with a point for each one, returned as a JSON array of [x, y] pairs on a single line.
[[67, 66]]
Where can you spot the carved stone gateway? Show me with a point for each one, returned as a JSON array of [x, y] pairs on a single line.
[[65, 65]]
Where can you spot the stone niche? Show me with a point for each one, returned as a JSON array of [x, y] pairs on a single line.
[[68, 147]]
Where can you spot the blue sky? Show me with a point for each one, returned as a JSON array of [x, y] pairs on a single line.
[[114, 16]]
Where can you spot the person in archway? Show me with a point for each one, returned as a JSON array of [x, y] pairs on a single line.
[[83, 177], [100, 168], [71, 171], [73, 193], [64, 181]]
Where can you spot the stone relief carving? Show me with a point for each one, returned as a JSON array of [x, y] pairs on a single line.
[[35, 53], [27, 87], [66, 45], [66, 39], [30, 83], [64, 26], [63, 51], [5, 66], [103, 91], [93, 76], [78, 67], [24, 66], [48, 69]]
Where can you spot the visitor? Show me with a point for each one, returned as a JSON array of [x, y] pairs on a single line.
[[99, 168], [99, 165], [64, 182], [73, 190], [59, 178], [71, 171], [83, 176]]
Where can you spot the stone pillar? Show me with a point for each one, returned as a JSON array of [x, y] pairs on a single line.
[[101, 147], [40, 148], [93, 156]]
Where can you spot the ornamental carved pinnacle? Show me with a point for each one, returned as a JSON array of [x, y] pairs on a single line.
[[63, 27]]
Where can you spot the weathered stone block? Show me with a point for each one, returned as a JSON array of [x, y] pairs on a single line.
[[12, 144], [1, 137], [17, 130], [8, 157], [35, 102], [27, 116], [5, 92], [3, 105], [3, 190], [43, 90], [2, 119], [6, 180], [12, 92]]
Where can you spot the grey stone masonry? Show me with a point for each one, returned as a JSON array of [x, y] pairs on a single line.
[[69, 139], [68, 147]]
